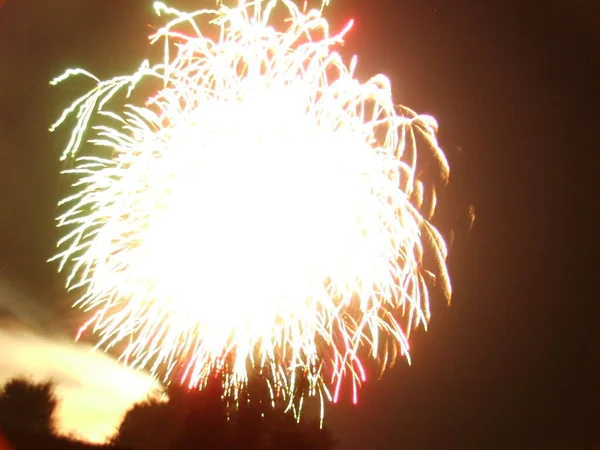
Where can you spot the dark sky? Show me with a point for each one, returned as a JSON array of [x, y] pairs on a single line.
[[513, 86]]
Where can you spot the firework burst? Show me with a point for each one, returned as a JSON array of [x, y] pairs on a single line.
[[261, 210]]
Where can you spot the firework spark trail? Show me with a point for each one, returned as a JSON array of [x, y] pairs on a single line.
[[262, 209]]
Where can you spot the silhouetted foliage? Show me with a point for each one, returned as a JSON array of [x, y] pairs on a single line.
[[28, 407], [30, 441], [201, 419], [27, 419], [151, 425]]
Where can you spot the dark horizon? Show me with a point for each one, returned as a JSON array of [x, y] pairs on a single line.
[[510, 364]]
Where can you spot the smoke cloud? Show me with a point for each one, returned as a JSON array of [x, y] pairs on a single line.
[[94, 390]]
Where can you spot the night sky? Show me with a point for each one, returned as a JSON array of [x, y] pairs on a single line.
[[509, 365]]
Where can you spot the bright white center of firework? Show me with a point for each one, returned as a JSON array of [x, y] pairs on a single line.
[[262, 205]]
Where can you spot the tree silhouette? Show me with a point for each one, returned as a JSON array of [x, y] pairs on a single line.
[[28, 407], [150, 425], [201, 419], [27, 419], [194, 419]]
